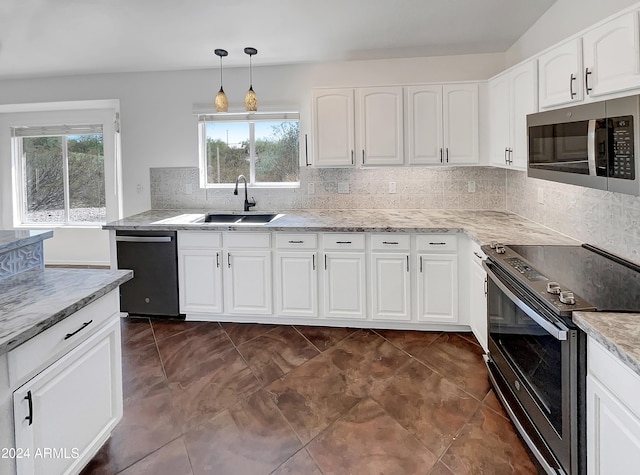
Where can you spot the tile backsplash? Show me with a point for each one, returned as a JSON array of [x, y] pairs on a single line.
[[602, 218], [424, 188]]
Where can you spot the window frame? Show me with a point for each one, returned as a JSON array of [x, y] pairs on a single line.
[[242, 117], [108, 118]]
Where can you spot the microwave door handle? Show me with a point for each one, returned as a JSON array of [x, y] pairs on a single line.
[[591, 147], [555, 331]]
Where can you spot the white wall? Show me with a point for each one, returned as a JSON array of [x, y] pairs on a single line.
[[563, 19]]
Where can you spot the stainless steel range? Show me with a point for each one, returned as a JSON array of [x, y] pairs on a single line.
[[537, 355]]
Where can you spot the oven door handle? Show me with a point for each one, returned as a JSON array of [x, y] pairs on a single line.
[[551, 328]]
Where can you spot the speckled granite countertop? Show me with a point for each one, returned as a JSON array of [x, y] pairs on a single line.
[[34, 300], [617, 332], [14, 239], [482, 226]]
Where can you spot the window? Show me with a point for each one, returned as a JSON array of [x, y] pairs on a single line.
[[264, 147], [61, 174]]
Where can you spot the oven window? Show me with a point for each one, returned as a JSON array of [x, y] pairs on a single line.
[[533, 354]]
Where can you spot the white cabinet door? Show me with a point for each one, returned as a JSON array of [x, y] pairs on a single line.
[[390, 284], [344, 285], [380, 126], [72, 406], [613, 433], [438, 288], [612, 55], [424, 134], [560, 78], [247, 284], [499, 120], [478, 304], [523, 82], [460, 119], [296, 284], [200, 280], [333, 128]]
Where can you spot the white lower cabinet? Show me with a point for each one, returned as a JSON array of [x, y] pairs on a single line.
[[613, 414], [344, 285], [200, 277], [247, 283], [437, 278], [65, 413], [478, 297], [390, 284], [296, 284]]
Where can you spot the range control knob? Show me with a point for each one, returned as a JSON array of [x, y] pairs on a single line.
[[553, 288], [493, 244], [500, 249], [567, 297]]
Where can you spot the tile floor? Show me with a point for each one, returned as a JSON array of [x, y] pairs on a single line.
[[244, 399]]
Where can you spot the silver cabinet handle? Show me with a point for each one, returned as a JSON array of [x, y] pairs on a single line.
[[587, 73], [143, 238], [506, 160], [573, 94]]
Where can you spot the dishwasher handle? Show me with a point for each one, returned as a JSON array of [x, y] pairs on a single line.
[[144, 238]]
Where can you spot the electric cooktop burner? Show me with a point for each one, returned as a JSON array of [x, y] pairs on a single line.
[[572, 278]]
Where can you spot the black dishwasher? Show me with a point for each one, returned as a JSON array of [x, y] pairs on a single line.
[[153, 257]]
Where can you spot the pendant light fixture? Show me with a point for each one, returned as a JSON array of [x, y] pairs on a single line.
[[250, 99], [221, 102]]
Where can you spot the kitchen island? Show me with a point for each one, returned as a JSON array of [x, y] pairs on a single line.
[[60, 369]]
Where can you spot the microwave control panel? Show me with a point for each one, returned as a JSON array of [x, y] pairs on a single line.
[[622, 163]]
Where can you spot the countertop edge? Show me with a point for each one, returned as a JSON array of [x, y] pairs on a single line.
[[20, 242], [39, 327], [610, 342]]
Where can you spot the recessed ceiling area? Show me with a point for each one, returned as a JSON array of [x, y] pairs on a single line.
[[64, 37]]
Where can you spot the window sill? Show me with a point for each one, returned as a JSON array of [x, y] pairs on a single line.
[[59, 225], [266, 186]]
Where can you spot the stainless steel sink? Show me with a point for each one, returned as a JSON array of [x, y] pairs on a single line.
[[239, 218]]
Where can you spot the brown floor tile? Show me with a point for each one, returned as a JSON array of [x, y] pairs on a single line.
[[434, 410], [147, 425], [460, 361], [172, 459], [142, 373], [166, 328], [441, 469], [301, 463], [136, 333], [469, 337], [366, 359], [186, 355], [251, 437], [224, 381], [243, 332], [313, 395], [488, 444], [367, 440], [413, 342], [277, 352], [492, 402], [324, 338]]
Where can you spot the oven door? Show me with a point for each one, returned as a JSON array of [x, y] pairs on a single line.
[[533, 365]]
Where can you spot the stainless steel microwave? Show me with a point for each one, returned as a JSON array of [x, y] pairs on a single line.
[[593, 145]]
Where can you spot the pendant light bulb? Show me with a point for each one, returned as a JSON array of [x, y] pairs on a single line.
[[221, 102], [250, 99]]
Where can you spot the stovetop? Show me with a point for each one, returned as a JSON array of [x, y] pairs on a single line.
[[596, 280]]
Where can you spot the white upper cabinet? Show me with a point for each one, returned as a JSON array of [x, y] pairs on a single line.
[[424, 132], [560, 74], [333, 128], [380, 112], [603, 60], [442, 124], [611, 56], [512, 96], [460, 123]]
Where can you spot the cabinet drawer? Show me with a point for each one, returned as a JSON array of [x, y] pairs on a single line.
[[44, 348], [391, 242], [343, 241], [247, 240], [297, 241], [199, 240], [436, 242]]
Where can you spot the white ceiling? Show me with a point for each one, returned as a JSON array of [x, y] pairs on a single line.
[[64, 37]]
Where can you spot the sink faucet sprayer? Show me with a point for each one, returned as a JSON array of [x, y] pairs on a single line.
[[247, 204]]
